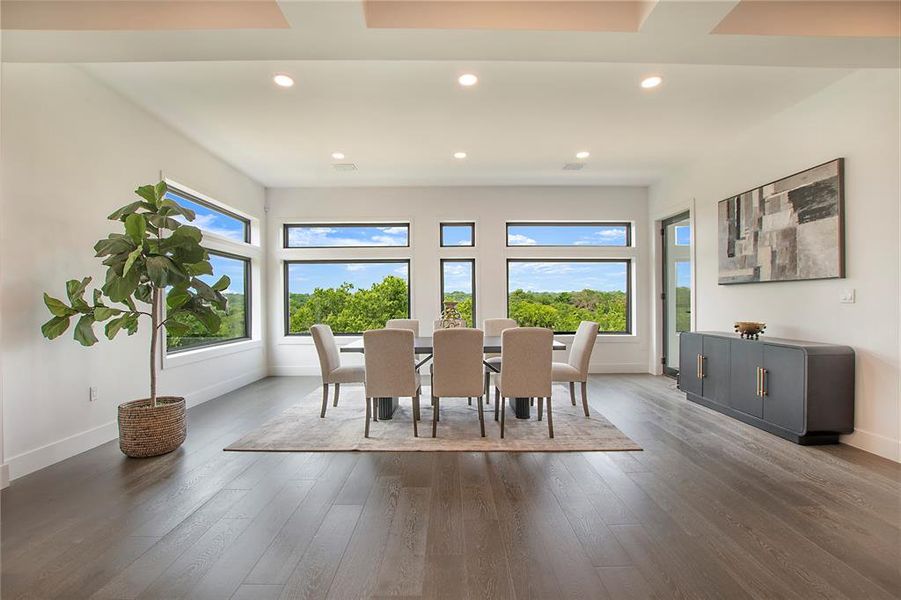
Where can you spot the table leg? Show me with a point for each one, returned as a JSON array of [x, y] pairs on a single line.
[[521, 407], [387, 406]]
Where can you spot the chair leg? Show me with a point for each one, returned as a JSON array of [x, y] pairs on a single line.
[[487, 382], [540, 406], [503, 413], [585, 398], [572, 392], [550, 420], [469, 400], [375, 409], [416, 414], [531, 401], [324, 400], [481, 417], [497, 401], [368, 415], [435, 410]]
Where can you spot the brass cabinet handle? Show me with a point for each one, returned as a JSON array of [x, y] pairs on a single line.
[[757, 390], [703, 374], [698, 366], [763, 382]]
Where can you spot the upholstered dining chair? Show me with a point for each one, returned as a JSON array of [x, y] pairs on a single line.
[[411, 324], [494, 328], [457, 369], [330, 364], [527, 353], [575, 370], [390, 370]]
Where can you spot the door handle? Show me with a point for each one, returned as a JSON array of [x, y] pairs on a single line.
[[701, 358], [757, 382], [763, 391], [698, 366]]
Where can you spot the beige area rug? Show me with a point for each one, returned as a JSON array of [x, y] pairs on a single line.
[[299, 429]]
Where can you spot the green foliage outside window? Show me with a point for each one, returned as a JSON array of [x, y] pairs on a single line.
[[347, 309], [234, 326], [562, 311]]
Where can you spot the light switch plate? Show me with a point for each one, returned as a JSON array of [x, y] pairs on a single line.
[[847, 297], [94, 393]]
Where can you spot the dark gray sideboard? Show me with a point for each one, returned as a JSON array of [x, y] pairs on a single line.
[[801, 391]]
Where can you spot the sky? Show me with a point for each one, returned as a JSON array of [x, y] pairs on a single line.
[[354, 235], [683, 273], [566, 235], [683, 235], [209, 220], [458, 276], [303, 278], [457, 235], [567, 276], [223, 265]]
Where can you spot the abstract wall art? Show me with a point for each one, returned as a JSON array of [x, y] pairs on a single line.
[[788, 230]]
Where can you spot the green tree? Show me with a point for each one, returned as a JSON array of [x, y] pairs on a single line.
[[347, 309]]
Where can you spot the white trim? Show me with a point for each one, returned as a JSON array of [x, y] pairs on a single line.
[[54, 452], [4, 476], [874, 443], [186, 357]]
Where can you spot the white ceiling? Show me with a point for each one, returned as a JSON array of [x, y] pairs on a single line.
[[387, 98], [401, 121]]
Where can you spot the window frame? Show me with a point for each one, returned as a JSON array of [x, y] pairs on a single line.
[[286, 300], [629, 301], [627, 224], [443, 224], [248, 308], [180, 191], [287, 226], [472, 262]]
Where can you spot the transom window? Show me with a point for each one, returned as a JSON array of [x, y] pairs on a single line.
[[350, 296], [211, 219], [356, 235], [559, 293], [458, 284], [236, 316], [569, 234], [458, 234]]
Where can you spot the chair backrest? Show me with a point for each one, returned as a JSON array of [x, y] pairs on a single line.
[[326, 348], [457, 368], [583, 344], [527, 354], [388, 356], [494, 327], [411, 324]]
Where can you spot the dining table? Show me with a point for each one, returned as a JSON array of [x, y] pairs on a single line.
[[423, 346]]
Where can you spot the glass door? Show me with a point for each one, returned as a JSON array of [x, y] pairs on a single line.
[[676, 294]]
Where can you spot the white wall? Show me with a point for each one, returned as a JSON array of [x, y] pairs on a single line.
[[73, 151], [856, 118], [490, 208]]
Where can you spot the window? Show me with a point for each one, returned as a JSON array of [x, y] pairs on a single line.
[[559, 293], [458, 284], [212, 219], [683, 235], [350, 296], [236, 317], [569, 234], [458, 234], [392, 235]]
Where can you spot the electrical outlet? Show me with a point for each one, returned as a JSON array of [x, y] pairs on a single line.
[[847, 297], [93, 393]]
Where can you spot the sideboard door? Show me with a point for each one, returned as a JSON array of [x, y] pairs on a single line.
[[690, 348], [715, 368], [747, 358], [783, 402]]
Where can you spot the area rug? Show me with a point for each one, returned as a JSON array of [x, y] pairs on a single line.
[[300, 429]]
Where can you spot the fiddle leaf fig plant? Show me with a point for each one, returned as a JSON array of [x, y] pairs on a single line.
[[158, 258]]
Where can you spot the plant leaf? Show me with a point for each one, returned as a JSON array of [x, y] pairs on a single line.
[[136, 227], [148, 193], [177, 328], [164, 222], [168, 207], [203, 267], [158, 270], [102, 313], [178, 297], [160, 190], [144, 293], [57, 308], [120, 287], [126, 210], [132, 257], [55, 327], [75, 291], [222, 284], [84, 331], [115, 243]]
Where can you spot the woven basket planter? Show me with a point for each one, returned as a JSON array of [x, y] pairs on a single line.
[[146, 431]]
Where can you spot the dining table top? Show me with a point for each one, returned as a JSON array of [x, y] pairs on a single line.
[[424, 345]]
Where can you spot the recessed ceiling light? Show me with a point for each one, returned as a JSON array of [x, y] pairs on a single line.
[[651, 82], [583, 154], [283, 80], [468, 80], [459, 155], [338, 155]]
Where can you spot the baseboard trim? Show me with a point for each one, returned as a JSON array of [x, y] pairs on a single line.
[[874, 443], [44, 456], [4, 476]]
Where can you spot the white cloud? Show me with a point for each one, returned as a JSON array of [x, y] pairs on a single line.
[[518, 239], [393, 230], [401, 270], [356, 266]]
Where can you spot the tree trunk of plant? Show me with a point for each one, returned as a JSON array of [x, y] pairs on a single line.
[[154, 329]]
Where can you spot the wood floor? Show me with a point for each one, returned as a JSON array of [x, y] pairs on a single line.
[[711, 509]]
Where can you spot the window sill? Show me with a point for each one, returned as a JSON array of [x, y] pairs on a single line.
[[171, 361]]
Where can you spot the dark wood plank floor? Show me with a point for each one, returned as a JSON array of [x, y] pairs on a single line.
[[711, 509]]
